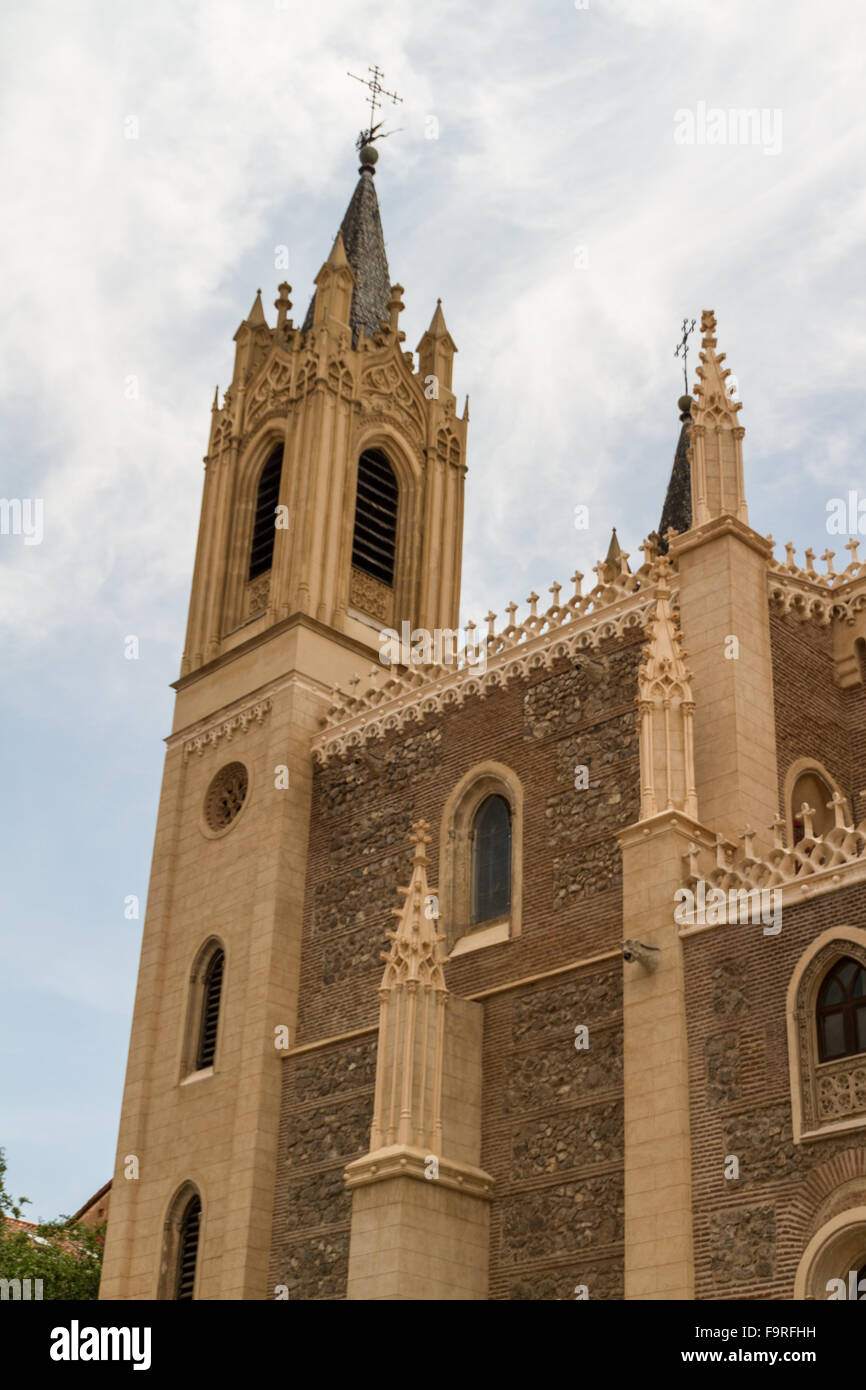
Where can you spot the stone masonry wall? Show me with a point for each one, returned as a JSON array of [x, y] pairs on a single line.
[[326, 1113], [552, 1123], [750, 1232], [815, 717]]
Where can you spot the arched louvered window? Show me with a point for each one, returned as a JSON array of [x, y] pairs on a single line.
[[264, 524], [375, 537], [187, 1249], [491, 860], [210, 1011], [841, 1011]]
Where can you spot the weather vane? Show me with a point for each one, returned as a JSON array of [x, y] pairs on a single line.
[[683, 348], [367, 137]]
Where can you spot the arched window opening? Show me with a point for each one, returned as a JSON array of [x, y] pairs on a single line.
[[264, 524], [210, 1011], [374, 542], [812, 790], [491, 860], [187, 1251], [841, 1011]]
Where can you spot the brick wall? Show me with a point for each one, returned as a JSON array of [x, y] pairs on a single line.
[[750, 1232], [552, 1115], [815, 717]]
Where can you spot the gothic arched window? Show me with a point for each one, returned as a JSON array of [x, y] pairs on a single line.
[[210, 1011], [491, 860], [187, 1249], [812, 790], [264, 523], [374, 540], [841, 1011]]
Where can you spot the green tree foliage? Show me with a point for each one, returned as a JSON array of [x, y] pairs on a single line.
[[65, 1255]]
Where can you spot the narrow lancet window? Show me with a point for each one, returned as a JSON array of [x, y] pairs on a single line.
[[264, 524], [210, 1011], [187, 1252], [491, 860], [375, 537]]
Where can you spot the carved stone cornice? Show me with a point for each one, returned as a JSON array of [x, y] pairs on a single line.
[[535, 644], [226, 729], [809, 599]]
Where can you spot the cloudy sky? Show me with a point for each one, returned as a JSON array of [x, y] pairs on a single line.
[[155, 155]]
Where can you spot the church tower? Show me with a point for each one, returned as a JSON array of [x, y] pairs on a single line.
[[332, 509]]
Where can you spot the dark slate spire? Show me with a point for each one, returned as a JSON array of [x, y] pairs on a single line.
[[365, 248], [677, 510]]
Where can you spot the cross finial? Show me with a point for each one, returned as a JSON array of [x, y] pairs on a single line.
[[682, 349], [692, 855], [368, 136]]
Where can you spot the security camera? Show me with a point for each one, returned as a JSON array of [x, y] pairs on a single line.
[[647, 956]]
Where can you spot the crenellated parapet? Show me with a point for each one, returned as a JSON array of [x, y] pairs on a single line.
[[620, 601], [814, 865]]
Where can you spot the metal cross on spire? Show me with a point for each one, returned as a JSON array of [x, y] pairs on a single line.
[[367, 137], [682, 348]]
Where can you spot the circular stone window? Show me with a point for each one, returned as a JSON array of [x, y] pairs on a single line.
[[226, 796]]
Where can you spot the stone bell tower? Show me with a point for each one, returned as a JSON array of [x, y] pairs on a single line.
[[332, 508]]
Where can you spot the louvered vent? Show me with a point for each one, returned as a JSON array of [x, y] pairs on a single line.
[[262, 550], [210, 1011], [375, 518], [188, 1249]]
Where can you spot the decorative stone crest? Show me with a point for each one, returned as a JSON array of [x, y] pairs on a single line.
[[370, 596], [258, 593], [272, 390]]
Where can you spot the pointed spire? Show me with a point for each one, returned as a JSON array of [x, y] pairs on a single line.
[[338, 255], [414, 953], [361, 242], [438, 327], [256, 316], [716, 453], [677, 509], [407, 1107], [335, 285], [436, 350], [613, 551]]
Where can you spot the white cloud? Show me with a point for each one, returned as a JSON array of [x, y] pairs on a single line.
[[139, 258]]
